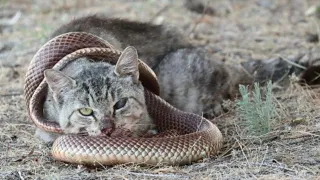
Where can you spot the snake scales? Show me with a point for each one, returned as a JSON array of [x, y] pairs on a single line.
[[199, 137]]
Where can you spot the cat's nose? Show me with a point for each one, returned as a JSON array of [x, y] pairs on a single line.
[[107, 122], [107, 119]]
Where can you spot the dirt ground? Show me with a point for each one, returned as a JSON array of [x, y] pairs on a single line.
[[238, 30]]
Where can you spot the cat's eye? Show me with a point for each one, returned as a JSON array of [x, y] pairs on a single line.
[[86, 111], [121, 103]]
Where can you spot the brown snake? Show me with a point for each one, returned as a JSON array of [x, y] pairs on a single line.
[[199, 137]]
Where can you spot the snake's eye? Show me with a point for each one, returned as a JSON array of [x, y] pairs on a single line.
[[85, 111], [121, 103]]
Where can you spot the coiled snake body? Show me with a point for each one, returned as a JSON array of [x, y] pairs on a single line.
[[200, 138]]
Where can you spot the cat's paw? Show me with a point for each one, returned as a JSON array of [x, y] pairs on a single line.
[[45, 136]]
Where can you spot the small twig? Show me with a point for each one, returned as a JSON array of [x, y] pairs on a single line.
[[316, 78], [11, 21], [20, 175], [242, 151], [227, 150], [264, 156], [200, 123], [303, 135], [282, 77], [172, 176], [165, 8], [293, 63], [12, 94], [307, 168], [20, 124], [272, 166], [308, 133]]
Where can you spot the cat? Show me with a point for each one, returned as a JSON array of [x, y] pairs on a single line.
[[190, 78], [90, 97]]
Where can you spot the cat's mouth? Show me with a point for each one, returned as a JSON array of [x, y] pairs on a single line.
[[106, 131], [116, 132]]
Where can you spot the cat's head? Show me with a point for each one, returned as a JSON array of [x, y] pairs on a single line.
[[100, 96]]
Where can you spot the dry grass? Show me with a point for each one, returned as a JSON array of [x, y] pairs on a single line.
[[241, 30]]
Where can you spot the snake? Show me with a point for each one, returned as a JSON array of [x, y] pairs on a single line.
[[198, 137]]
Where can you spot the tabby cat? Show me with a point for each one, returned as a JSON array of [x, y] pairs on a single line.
[[92, 97]]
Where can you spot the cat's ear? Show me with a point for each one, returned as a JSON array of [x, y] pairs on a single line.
[[128, 63], [57, 80]]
